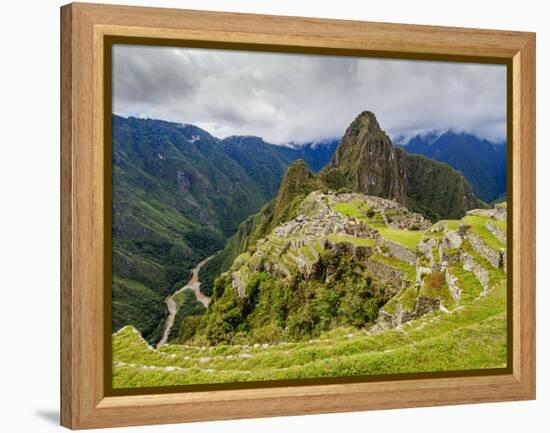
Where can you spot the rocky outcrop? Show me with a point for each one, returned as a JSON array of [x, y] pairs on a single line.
[[501, 211], [421, 272], [426, 248], [452, 240], [365, 161]]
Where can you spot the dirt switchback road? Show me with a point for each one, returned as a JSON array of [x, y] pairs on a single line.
[[193, 284]]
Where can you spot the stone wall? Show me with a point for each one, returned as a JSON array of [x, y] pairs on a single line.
[[383, 272], [424, 305], [483, 250], [452, 284], [452, 240], [386, 320], [402, 316], [400, 252], [420, 272], [426, 249], [469, 264], [501, 212], [496, 231], [237, 284]]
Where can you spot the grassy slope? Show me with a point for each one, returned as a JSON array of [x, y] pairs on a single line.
[[478, 224], [471, 338]]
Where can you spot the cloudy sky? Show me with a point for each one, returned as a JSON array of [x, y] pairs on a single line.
[[303, 98]]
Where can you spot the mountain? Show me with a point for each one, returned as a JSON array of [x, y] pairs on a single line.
[[366, 161], [263, 161], [481, 162], [178, 194], [349, 259]]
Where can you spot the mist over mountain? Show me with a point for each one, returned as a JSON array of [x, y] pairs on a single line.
[[482, 162]]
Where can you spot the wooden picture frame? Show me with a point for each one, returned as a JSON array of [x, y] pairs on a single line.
[[84, 225]]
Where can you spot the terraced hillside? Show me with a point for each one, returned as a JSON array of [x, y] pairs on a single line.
[[351, 285]]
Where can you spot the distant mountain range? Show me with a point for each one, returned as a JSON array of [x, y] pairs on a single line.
[[483, 163], [178, 194]]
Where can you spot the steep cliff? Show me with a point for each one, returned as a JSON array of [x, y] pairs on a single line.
[[366, 161]]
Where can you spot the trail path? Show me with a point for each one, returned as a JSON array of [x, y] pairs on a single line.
[[193, 284]]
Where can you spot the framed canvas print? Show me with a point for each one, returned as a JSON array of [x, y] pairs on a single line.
[[271, 216]]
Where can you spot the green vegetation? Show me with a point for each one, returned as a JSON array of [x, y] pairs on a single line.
[[481, 162], [434, 286], [354, 209], [408, 238], [293, 305], [478, 224], [473, 338], [408, 270], [339, 292], [470, 286], [436, 190], [178, 195], [352, 240], [189, 310], [500, 224], [452, 225]]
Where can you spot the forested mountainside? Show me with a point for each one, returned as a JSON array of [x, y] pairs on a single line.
[[178, 194], [483, 163]]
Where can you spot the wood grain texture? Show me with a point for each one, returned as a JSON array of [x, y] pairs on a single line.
[[84, 26]]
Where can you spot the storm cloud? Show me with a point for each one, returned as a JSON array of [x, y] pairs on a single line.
[[305, 98]]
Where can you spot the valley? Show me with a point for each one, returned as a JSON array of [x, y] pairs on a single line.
[[194, 285], [381, 262], [445, 306]]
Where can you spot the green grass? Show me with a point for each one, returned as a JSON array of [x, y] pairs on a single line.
[[478, 224], [354, 209], [408, 270], [352, 240], [500, 224], [472, 338], [390, 307], [407, 238], [358, 209], [435, 286], [467, 281], [452, 225]]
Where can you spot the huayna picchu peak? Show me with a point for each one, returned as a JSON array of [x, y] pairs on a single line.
[[366, 161]]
